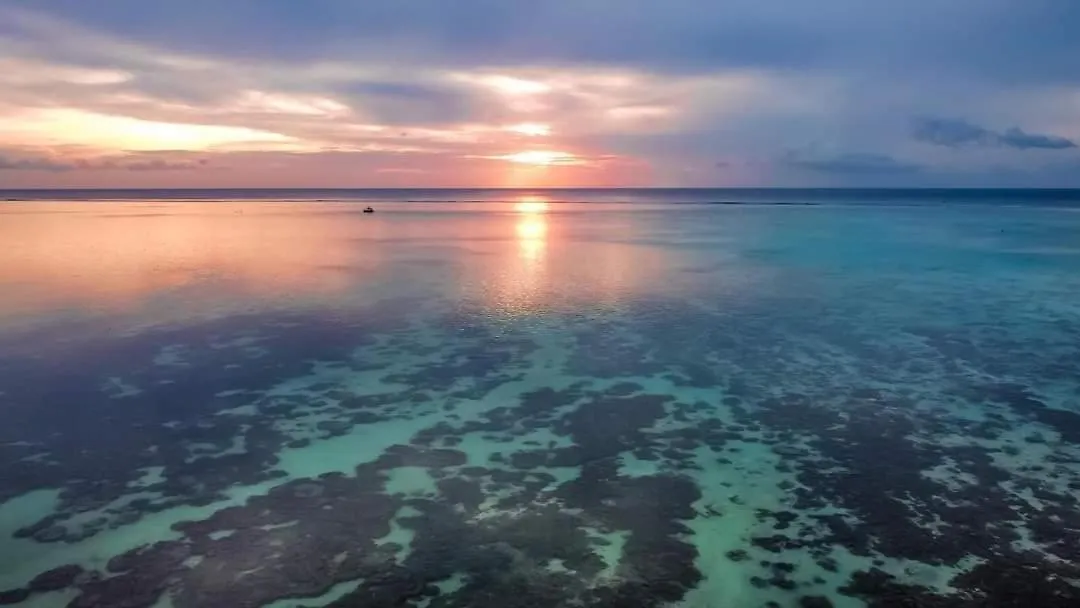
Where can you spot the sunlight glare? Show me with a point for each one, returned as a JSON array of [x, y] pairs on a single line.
[[532, 236], [541, 157], [531, 129], [532, 229], [531, 204], [511, 85]]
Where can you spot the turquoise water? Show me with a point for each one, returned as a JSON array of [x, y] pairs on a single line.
[[520, 402]]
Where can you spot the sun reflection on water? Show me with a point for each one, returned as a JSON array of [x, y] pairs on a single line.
[[532, 227], [532, 237], [531, 204], [519, 261]]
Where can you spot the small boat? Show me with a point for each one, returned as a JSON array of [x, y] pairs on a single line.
[[368, 210]]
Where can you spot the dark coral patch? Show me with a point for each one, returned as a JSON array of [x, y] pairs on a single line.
[[55, 579], [14, 596]]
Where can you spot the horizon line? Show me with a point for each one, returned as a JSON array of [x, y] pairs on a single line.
[[546, 188]]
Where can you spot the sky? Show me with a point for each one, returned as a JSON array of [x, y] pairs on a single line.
[[544, 93]]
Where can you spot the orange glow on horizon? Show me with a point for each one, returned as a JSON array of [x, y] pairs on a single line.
[[65, 126]]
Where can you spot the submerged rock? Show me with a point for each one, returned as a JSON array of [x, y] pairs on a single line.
[[307, 490], [56, 579], [13, 596], [737, 555], [51, 534], [788, 450], [814, 601]]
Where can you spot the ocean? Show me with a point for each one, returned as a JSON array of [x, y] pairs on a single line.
[[509, 398]]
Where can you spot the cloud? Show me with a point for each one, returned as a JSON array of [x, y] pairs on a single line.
[[156, 164], [422, 84], [11, 163], [1001, 40], [1015, 138], [955, 133], [404, 102], [951, 133], [849, 163], [20, 162]]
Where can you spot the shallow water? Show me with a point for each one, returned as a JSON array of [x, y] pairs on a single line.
[[257, 403]]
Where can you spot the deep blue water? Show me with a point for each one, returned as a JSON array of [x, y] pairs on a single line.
[[871, 400]]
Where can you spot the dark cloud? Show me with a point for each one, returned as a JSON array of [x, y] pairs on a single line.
[[156, 164], [1015, 138], [951, 133], [955, 133], [849, 163], [9, 162], [399, 102], [680, 35]]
